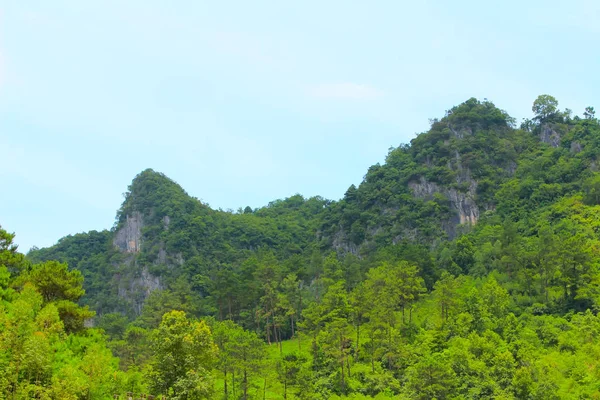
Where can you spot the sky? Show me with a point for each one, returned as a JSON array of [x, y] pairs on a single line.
[[246, 102]]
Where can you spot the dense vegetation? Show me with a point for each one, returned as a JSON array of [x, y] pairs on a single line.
[[464, 267]]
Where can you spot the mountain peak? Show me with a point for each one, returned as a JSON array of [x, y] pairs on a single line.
[[153, 195], [477, 114]]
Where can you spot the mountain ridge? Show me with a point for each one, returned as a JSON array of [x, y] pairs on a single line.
[[427, 193], [465, 266]]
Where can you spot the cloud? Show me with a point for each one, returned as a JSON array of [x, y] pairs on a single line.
[[348, 90]]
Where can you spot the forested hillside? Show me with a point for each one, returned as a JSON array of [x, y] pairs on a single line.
[[464, 267]]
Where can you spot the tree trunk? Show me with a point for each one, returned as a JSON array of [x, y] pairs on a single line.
[[343, 383], [403, 319], [372, 356], [233, 382], [300, 304], [543, 286], [356, 349], [16, 380], [277, 330], [348, 366], [245, 385], [280, 344]]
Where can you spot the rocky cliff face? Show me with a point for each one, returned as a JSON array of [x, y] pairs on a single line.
[[549, 135], [461, 202], [340, 243], [137, 288], [137, 282], [128, 239]]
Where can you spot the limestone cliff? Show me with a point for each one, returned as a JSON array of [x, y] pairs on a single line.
[[549, 134], [135, 289], [462, 203], [128, 238], [436, 187]]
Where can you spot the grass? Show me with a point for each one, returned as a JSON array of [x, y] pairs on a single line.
[[274, 389]]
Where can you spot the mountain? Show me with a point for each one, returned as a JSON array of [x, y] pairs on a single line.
[[472, 165], [465, 266], [427, 190]]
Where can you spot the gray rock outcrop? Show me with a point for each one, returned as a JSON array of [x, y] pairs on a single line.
[[549, 135], [129, 238], [461, 202]]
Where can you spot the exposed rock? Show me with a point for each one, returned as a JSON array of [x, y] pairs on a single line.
[[462, 132], [129, 238], [511, 168], [576, 147], [549, 135], [139, 288], [424, 189], [407, 234], [89, 323], [463, 203], [162, 255], [147, 281], [341, 243]]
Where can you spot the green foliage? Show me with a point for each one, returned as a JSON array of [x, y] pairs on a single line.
[[55, 282], [464, 267], [294, 373], [45, 352], [10, 258], [184, 354], [544, 107]]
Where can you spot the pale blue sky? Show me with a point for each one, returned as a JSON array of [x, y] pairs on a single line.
[[249, 101]]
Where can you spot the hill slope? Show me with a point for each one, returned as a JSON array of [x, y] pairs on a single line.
[[473, 165], [466, 266]]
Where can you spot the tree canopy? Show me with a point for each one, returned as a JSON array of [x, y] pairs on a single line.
[[465, 266]]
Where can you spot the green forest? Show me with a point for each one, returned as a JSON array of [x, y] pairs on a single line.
[[466, 266]]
